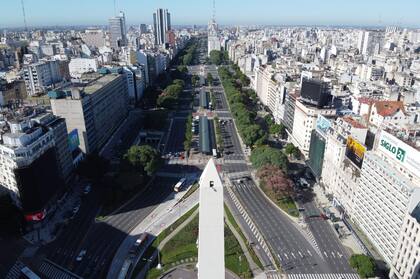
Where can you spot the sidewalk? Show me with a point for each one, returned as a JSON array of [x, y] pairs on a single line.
[[344, 235], [47, 230], [161, 218]]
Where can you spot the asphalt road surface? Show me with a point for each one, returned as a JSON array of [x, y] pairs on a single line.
[[305, 254], [101, 239]]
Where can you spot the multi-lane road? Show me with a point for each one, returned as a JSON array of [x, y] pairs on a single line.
[[314, 252]]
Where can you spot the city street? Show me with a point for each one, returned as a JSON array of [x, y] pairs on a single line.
[[306, 253]]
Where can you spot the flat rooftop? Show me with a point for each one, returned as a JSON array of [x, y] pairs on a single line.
[[98, 83]]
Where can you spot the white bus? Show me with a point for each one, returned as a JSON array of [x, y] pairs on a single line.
[[179, 185]]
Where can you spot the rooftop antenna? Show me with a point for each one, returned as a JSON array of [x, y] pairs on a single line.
[[115, 7], [24, 15], [214, 10]]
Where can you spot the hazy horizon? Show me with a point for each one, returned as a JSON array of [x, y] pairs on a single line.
[[358, 13]]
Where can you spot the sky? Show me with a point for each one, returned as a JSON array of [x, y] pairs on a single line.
[[228, 12]]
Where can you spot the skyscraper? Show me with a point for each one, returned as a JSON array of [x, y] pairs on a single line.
[[161, 24], [118, 31]]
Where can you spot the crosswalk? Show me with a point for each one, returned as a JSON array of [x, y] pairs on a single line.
[[272, 274], [324, 276], [51, 271], [14, 272]]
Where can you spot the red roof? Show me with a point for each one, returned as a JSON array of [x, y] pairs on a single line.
[[353, 122], [388, 108], [365, 100]]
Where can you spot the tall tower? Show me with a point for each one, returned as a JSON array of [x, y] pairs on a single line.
[[161, 24], [118, 31], [213, 40]]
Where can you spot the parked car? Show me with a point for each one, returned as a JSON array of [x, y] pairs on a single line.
[[81, 255]]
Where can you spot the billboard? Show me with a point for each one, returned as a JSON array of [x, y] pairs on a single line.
[[355, 151], [399, 152], [322, 125], [73, 139]]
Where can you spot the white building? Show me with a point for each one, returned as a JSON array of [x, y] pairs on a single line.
[[406, 261], [40, 76], [388, 112], [340, 175], [304, 122], [213, 37], [389, 183], [94, 38], [79, 66]]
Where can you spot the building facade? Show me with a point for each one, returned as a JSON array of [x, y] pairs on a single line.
[[161, 24], [94, 109], [40, 76], [117, 31]]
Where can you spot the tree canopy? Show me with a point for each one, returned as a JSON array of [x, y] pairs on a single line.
[[266, 155], [243, 109], [209, 78], [275, 180], [291, 150], [364, 265], [144, 158], [169, 97]]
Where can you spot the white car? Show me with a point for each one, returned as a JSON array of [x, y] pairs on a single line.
[[81, 255]]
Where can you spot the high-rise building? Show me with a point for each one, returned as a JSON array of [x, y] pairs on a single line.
[[35, 160], [161, 25], [41, 75], [373, 42], [117, 31], [406, 261], [95, 109], [94, 38], [387, 186], [213, 40]]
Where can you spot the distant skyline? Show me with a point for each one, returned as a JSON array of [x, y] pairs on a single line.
[[228, 12]]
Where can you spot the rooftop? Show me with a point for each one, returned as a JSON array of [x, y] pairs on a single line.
[[353, 122], [388, 108], [97, 84]]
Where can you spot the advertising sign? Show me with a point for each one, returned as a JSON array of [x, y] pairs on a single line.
[[355, 151], [73, 140], [399, 151], [322, 125]]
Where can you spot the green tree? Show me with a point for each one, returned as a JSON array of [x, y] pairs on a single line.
[[188, 133], [215, 57], [209, 79], [166, 101], [266, 155], [183, 69], [292, 150], [252, 133], [93, 167], [364, 265], [144, 158]]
